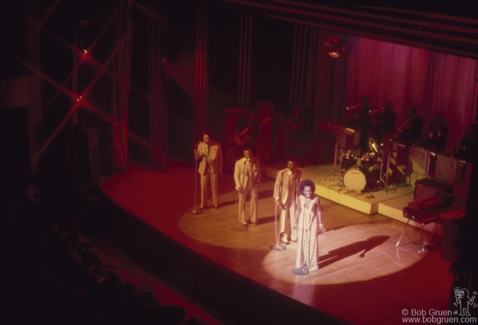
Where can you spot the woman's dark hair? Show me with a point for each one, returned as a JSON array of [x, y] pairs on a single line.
[[304, 183]]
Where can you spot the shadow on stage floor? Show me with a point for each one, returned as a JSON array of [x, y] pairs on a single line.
[[236, 276]]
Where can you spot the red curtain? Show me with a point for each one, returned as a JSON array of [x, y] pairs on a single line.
[[326, 79], [122, 66], [452, 91], [158, 117], [200, 77], [411, 77]]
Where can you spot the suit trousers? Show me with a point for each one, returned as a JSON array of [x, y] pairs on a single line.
[[213, 176], [288, 213], [252, 217]]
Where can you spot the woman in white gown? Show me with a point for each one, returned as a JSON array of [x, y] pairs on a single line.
[[307, 222]]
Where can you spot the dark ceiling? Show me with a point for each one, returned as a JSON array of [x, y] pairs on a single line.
[[445, 26]]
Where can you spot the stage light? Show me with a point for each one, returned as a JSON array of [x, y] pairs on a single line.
[[334, 54], [84, 55], [334, 47]]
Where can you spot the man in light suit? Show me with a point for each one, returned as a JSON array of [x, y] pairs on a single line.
[[285, 195], [210, 167], [247, 176]]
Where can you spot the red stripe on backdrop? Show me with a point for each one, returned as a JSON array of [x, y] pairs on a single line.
[[122, 65], [158, 138]]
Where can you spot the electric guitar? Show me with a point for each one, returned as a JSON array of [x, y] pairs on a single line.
[[240, 138]]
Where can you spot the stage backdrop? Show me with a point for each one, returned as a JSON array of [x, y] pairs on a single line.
[[410, 77]]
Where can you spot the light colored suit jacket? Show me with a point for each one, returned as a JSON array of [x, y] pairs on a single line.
[[212, 156], [240, 176], [285, 188]]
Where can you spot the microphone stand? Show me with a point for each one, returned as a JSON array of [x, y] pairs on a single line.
[[195, 209], [277, 246], [384, 180]]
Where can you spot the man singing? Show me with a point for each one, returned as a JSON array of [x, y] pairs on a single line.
[[247, 176], [285, 195], [210, 167]]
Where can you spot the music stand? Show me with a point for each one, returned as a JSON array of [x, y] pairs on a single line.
[[384, 180], [334, 129], [331, 176]]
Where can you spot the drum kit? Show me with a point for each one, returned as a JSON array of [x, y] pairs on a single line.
[[366, 173]]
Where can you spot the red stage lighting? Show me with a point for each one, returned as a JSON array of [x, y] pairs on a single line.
[[334, 47]]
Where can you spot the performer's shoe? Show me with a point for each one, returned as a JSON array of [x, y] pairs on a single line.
[[216, 207], [240, 227], [284, 239], [293, 240], [251, 224]]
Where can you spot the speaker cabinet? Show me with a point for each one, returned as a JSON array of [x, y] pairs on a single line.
[[446, 169], [265, 114], [232, 153], [426, 188], [419, 160]]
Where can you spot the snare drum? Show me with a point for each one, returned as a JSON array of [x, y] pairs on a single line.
[[348, 160], [346, 164], [358, 178]]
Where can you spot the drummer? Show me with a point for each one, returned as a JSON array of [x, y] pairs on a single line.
[[361, 121]]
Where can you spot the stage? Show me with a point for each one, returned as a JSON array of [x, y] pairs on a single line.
[[388, 201], [237, 277]]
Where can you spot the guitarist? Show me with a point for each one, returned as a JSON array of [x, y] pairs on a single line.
[[247, 130]]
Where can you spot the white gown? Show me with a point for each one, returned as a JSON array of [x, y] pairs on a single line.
[[307, 241]]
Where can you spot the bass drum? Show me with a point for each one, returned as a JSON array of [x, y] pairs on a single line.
[[358, 178]]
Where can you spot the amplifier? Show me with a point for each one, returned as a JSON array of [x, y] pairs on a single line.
[[426, 188], [231, 154]]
